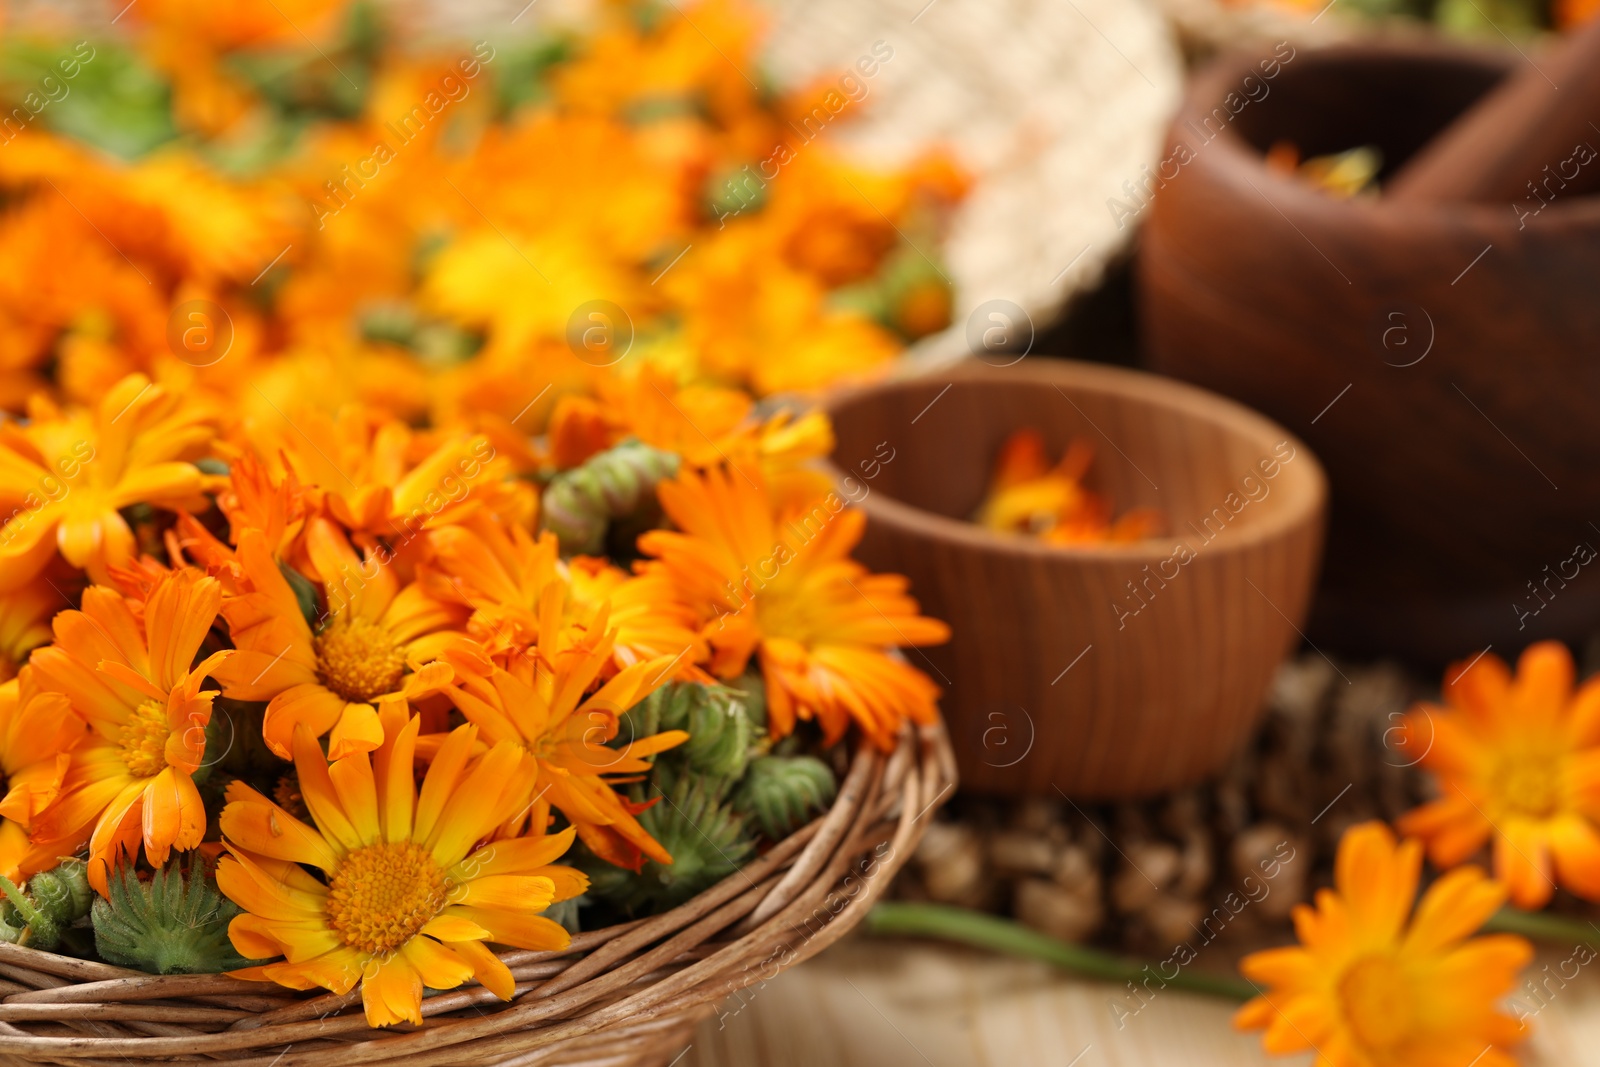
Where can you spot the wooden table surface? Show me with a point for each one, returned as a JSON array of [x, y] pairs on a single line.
[[868, 1002]]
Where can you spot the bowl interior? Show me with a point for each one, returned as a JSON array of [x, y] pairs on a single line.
[[1397, 98], [1207, 465]]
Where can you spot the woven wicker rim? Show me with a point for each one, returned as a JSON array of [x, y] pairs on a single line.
[[614, 996]]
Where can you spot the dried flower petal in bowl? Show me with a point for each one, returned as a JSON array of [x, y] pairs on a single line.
[[1028, 495]]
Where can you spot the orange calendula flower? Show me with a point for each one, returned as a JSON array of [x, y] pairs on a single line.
[[1030, 495], [782, 585], [511, 580], [538, 704], [139, 688], [252, 499], [406, 898], [37, 734], [700, 422], [376, 475], [1374, 985], [65, 475], [704, 424], [1517, 760], [377, 639], [753, 318]]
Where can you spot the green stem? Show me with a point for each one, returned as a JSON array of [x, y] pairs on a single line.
[[1002, 935], [1542, 927], [24, 906]]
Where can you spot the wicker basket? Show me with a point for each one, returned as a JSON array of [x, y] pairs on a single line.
[[622, 996]]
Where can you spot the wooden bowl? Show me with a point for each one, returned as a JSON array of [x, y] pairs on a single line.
[[1440, 359], [1108, 671]]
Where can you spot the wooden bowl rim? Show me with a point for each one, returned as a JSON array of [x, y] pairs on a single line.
[[1308, 493], [1230, 154]]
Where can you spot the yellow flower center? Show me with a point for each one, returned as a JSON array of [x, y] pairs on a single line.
[[1528, 784], [358, 660], [143, 741], [1379, 1006], [382, 894]]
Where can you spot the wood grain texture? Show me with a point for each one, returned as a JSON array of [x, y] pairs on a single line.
[[869, 1003], [1102, 671], [1458, 447], [1518, 134]]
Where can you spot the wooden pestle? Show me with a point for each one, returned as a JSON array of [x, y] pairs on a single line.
[[1546, 114]]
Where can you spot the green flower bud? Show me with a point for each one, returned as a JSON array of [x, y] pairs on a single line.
[[781, 792], [579, 504], [52, 901], [63, 892], [707, 840], [720, 735], [722, 732]]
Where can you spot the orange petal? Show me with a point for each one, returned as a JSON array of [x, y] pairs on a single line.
[[439, 967], [174, 815], [1575, 848], [391, 992], [1452, 909], [264, 828], [490, 972], [312, 706], [357, 730], [1523, 863], [1544, 683]]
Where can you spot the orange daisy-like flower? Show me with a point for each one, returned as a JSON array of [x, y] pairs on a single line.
[[65, 475], [252, 500], [407, 899], [1373, 985], [538, 703], [377, 476], [511, 580], [139, 688], [783, 586], [378, 639], [701, 423], [37, 733], [1517, 760]]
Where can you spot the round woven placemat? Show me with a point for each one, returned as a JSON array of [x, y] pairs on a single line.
[[1051, 104]]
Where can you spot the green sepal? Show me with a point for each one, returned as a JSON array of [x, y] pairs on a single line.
[[176, 923], [305, 593]]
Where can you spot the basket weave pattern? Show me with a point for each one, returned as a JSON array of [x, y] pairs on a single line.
[[624, 995]]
